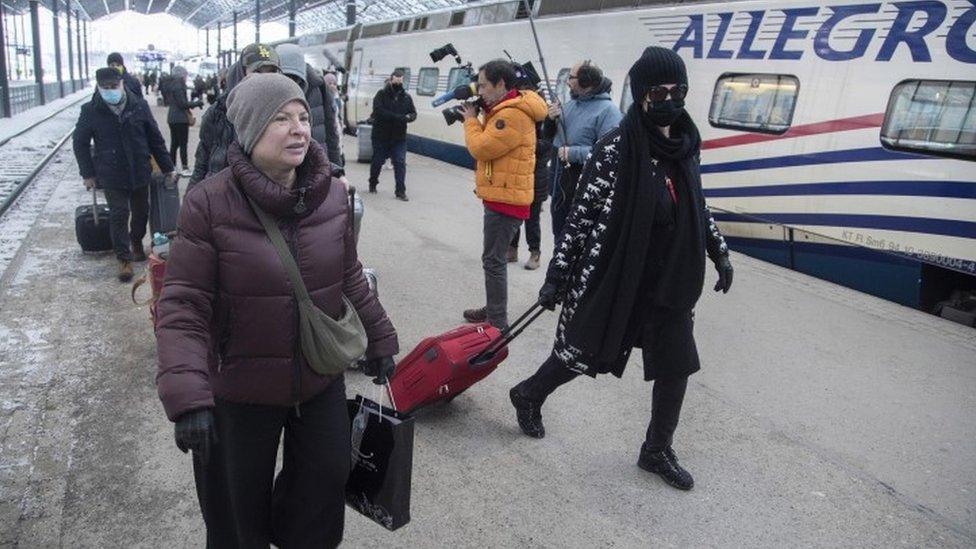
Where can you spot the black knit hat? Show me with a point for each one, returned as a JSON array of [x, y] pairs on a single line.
[[656, 66], [107, 75], [115, 57]]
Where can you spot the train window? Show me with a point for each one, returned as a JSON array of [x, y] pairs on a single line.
[[406, 76], [457, 77], [754, 102], [427, 82], [932, 116], [562, 86], [625, 98], [457, 19]]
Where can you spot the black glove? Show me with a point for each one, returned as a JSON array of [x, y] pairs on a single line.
[[380, 369], [724, 268], [196, 431], [549, 296]]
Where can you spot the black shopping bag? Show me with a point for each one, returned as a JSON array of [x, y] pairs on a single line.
[[382, 463]]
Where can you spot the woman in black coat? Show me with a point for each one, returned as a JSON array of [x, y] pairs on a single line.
[[630, 264], [178, 117]]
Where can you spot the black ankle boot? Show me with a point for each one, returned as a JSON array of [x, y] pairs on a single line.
[[529, 414], [665, 464]]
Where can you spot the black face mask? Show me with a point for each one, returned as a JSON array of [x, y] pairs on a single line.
[[664, 113], [396, 86]]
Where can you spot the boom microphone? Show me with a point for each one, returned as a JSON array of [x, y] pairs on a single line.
[[462, 92]]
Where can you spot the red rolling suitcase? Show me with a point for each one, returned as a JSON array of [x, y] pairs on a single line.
[[444, 366]]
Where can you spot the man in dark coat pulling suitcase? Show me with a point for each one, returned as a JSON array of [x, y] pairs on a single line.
[[629, 265], [125, 134]]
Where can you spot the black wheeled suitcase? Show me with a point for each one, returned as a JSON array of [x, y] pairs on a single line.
[[91, 226], [164, 203]]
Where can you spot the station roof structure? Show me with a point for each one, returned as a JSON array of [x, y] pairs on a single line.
[[311, 15]]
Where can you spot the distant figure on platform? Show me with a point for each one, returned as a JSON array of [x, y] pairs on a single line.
[[630, 264], [178, 117], [199, 87], [125, 136], [150, 81], [533, 225], [332, 82], [216, 131], [392, 110], [319, 99], [232, 376], [131, 82], [589, 115], [504, 146]]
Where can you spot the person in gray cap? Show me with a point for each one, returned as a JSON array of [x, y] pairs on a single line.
[[319, 98], [231, 376], [216, 131]]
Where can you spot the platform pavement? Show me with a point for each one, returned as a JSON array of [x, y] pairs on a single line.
[[822, 417]]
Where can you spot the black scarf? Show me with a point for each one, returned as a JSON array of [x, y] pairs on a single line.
[[603, 316]]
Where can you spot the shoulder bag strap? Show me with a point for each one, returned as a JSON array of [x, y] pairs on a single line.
[[278, 241]]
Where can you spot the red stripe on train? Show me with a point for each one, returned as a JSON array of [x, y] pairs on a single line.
[[831, 126]]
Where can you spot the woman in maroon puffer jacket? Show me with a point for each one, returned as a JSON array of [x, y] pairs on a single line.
[[231, 372]]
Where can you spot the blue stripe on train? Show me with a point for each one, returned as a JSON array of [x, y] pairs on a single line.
[[880, 274], [946, 227], [941, 189], [830, 157]]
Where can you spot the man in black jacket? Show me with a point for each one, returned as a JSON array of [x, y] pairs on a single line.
[[392, 110], [216, 131], [131, 83], [125, 135]]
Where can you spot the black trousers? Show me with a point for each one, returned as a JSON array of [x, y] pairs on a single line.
[[243, 504], [396, 151], [125, 231], [666, 399], [179, 140], [533, 229]]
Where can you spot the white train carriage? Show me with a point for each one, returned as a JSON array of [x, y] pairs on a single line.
[[839, 137]]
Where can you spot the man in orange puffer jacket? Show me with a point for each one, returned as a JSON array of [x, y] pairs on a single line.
[[504, 147]]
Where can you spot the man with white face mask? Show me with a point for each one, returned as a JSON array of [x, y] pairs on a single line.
[[125, 134]]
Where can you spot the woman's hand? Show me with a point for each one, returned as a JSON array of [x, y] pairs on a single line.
[[380, 369], [196, 430]]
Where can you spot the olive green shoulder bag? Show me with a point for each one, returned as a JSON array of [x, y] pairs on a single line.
[[329, 345]]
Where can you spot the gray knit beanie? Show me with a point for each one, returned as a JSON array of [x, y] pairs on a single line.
[[254, 101]]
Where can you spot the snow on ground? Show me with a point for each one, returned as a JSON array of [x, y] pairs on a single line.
[[29, 117]]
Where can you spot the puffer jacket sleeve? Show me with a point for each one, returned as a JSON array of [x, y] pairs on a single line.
[[184, 311], [81, 142], [379, 330], [201, 159]]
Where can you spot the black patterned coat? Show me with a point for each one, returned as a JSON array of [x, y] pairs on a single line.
[[579, 247]]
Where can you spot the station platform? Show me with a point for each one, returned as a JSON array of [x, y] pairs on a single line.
[[822, 417]]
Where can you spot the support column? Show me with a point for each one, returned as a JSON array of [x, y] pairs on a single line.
[[4, 81], [23, 42], [87, 69], [257, 21], [291, 18], [57, 46], [350, 12], [235, 36], [36, 52], [71, 62], [14, 67], [220, 56], [206, 37], [82, 75]]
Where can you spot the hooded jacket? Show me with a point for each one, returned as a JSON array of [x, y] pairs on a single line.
[[175, 92], [322, 108], [392, 110], [123, 143], [216, 133], [586, 118], [504, 146], [227, 316]]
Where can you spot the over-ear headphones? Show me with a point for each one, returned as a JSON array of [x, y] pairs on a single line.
[[588, 75]]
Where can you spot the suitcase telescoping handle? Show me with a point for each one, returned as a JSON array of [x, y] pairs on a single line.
[[95, 204], [509, 334]]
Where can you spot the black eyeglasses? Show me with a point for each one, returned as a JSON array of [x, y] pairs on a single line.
[[660, 93]]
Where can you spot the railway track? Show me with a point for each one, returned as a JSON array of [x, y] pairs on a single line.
[[24, 155]]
